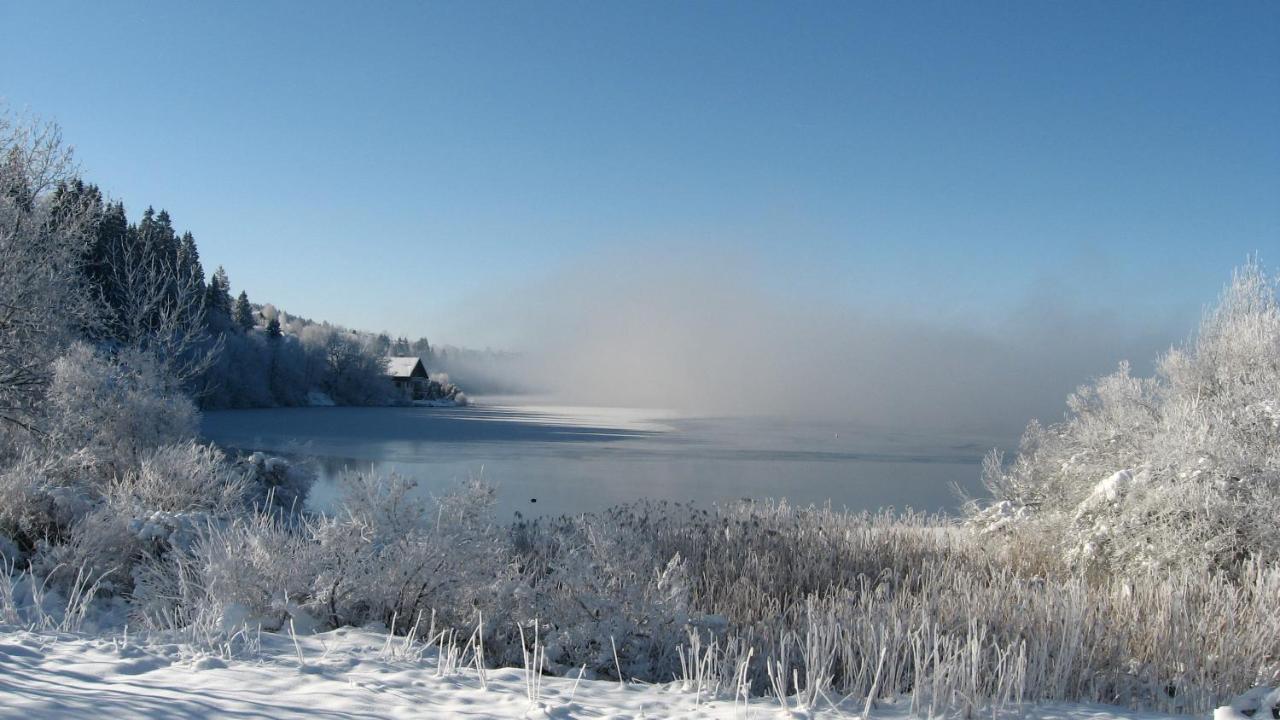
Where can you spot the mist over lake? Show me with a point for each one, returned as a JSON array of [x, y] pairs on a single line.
[[584, 459]]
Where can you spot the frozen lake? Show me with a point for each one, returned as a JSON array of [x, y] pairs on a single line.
[[574, 459]]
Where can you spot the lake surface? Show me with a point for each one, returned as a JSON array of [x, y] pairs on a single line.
[[573, 459]]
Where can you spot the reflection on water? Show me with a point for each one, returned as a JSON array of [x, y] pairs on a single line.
[[573, 460]]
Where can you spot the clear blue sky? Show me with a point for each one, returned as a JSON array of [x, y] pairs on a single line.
[[385, 165]]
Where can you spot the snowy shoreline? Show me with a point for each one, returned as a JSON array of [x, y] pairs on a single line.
[[361, 673]]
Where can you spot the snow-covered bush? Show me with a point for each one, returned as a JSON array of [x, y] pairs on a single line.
[[277, 483], [598, 588], [1178, 470], [185, 478], [160, 506], [118, 483], [439, 387], [107, 411], [256, 570], [108, 424], [390, 555], [40, 503], [761, 597], [393, 554]]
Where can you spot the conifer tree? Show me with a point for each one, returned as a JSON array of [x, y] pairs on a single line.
[[190, 258], [273, 329], [218, 301], [109, 240], [243, 313]]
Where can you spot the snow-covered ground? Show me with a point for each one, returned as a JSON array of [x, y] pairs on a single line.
[[352, 674]]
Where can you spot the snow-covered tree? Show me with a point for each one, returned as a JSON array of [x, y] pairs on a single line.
[[157, 298], [44, 301], [1182, 469]]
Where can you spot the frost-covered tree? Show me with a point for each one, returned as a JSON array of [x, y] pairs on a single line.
[[44, 301], [152, 291], [1178, 470], [108, 410], [346, 371]]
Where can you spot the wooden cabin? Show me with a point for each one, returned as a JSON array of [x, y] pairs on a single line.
[[408, 375]]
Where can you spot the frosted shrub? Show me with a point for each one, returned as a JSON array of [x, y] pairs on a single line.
[[184, 478], [256, 570], [40, 503], [276, 483], [105, 416], [439, 387], [598, 590], [216, 548], [392, 554], [1179, 470], [389, 556], [108, 412], [149, 512]]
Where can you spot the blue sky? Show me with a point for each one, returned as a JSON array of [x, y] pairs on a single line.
[[396, 165]]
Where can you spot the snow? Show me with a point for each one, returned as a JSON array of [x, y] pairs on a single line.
[[353, 673], [1000, 516], [1258, 703], [402, 367]]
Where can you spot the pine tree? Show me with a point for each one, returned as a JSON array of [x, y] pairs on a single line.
[[243, 313], [217, 302], [421, 348], [110, 240], [165, 239], [76, 205], [190, 258], [273, 329]]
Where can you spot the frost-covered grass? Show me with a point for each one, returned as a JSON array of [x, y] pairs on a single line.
[[809, 606], [811, 602]]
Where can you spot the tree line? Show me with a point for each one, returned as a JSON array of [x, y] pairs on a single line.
[[76, 268]]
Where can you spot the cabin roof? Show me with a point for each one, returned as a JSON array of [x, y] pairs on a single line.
[[406, 367]]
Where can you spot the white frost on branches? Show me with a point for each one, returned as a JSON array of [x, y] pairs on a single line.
[[1181, 469]]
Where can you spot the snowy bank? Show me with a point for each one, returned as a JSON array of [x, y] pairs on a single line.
[[351, 673]]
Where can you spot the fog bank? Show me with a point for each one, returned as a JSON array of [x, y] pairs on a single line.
[[711, 339]]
